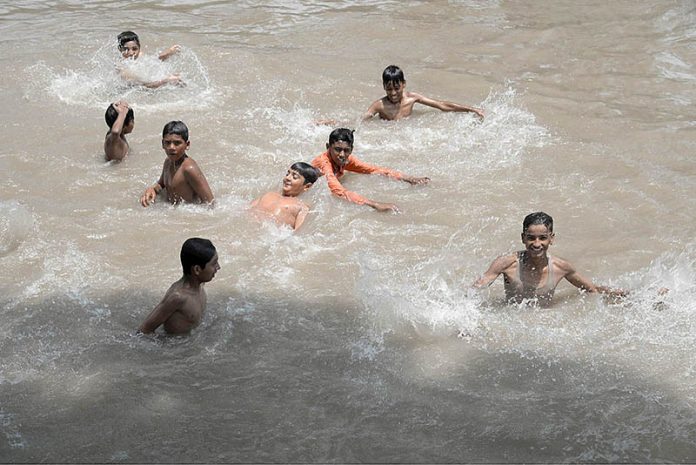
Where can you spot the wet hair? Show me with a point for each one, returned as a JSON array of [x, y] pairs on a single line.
[[393, 73], [196, 251], [307, 171], [341, 134], [111, 115], [176, 127], [127, 36], [537, 218]]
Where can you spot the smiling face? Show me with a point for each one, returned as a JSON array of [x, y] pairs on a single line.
[[175, 147], [294, 184], [395, 91], [130, 50], [339, 152], [537, 238]]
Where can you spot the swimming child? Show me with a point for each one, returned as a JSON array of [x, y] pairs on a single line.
[[183, 305], [181, 176], [398, 103], [532, 274], [338, 159], [285, 207], [129, 46], [120, 119]]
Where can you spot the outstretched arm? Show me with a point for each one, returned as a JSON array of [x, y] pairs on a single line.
[[161, 313], [579, 281], [372, 110], [499, 265], [173, 79], [446, 106], [170, 51]]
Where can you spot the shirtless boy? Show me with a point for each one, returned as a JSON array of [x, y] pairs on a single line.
[[532, 274], [338, 159], [183, 305], [398, 103], [284, 207], [181, 177], [120, 119], [129, 46]]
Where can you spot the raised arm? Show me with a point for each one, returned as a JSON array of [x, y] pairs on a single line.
[[162, 312], [114, 147], [446, 106], [198, 183], [170, 51]]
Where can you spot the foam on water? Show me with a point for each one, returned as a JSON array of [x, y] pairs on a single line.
[[99, 82], [16, 226]]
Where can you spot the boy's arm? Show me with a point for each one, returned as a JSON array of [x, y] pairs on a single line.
[[161, 313], [581, 282], [301, 216], [196, 179], [499, 265], [358, 166], [171, 79], [372, 110], [170, 51], [446, 106], [150, 193]]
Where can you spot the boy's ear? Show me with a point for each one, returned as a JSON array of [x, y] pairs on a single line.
[[327, 146], [306, 186], [196, 270], [553, 236]]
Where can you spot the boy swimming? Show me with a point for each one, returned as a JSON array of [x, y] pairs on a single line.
[[183, 305], [531, 274], [129, 46], [181, 176], [285, 207], [338, 159], [120, 119], [398, 103]]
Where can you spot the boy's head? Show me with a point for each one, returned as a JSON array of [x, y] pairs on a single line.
[[340, 145], [298, 179], [175, 140], [129, 44], [537, 218], [112, 114], [394, 83], [199, 258], [537, 233]]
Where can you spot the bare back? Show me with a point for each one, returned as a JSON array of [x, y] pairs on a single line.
[[180, 310], [115, 147]]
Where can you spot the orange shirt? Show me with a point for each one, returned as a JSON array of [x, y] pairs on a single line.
[[332, 172]]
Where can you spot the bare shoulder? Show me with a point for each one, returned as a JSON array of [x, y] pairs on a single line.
[[504, 262], [414, 96], [563, 265]]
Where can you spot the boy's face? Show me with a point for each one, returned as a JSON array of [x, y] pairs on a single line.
[[339, 152], [207, 273], [130, 50], [537, 239], [175, 146], [294, 184], [395, 91]]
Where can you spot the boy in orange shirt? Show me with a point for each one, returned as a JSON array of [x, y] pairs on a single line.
[[338, 159]]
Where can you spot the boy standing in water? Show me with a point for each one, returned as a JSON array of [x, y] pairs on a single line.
[[338, 159], [129, 46], [120, 119], [532, 273], [286, 208], [398, 103], [184, 303], [181, 176]]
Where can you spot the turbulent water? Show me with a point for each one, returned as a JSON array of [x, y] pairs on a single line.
[[356, 339]]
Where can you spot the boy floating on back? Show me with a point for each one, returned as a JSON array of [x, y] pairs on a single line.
[[120, 119], [285, 207], [338, 159], [532, 274], [181, 177], [398, 103], [129, 46], [184, 303]]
